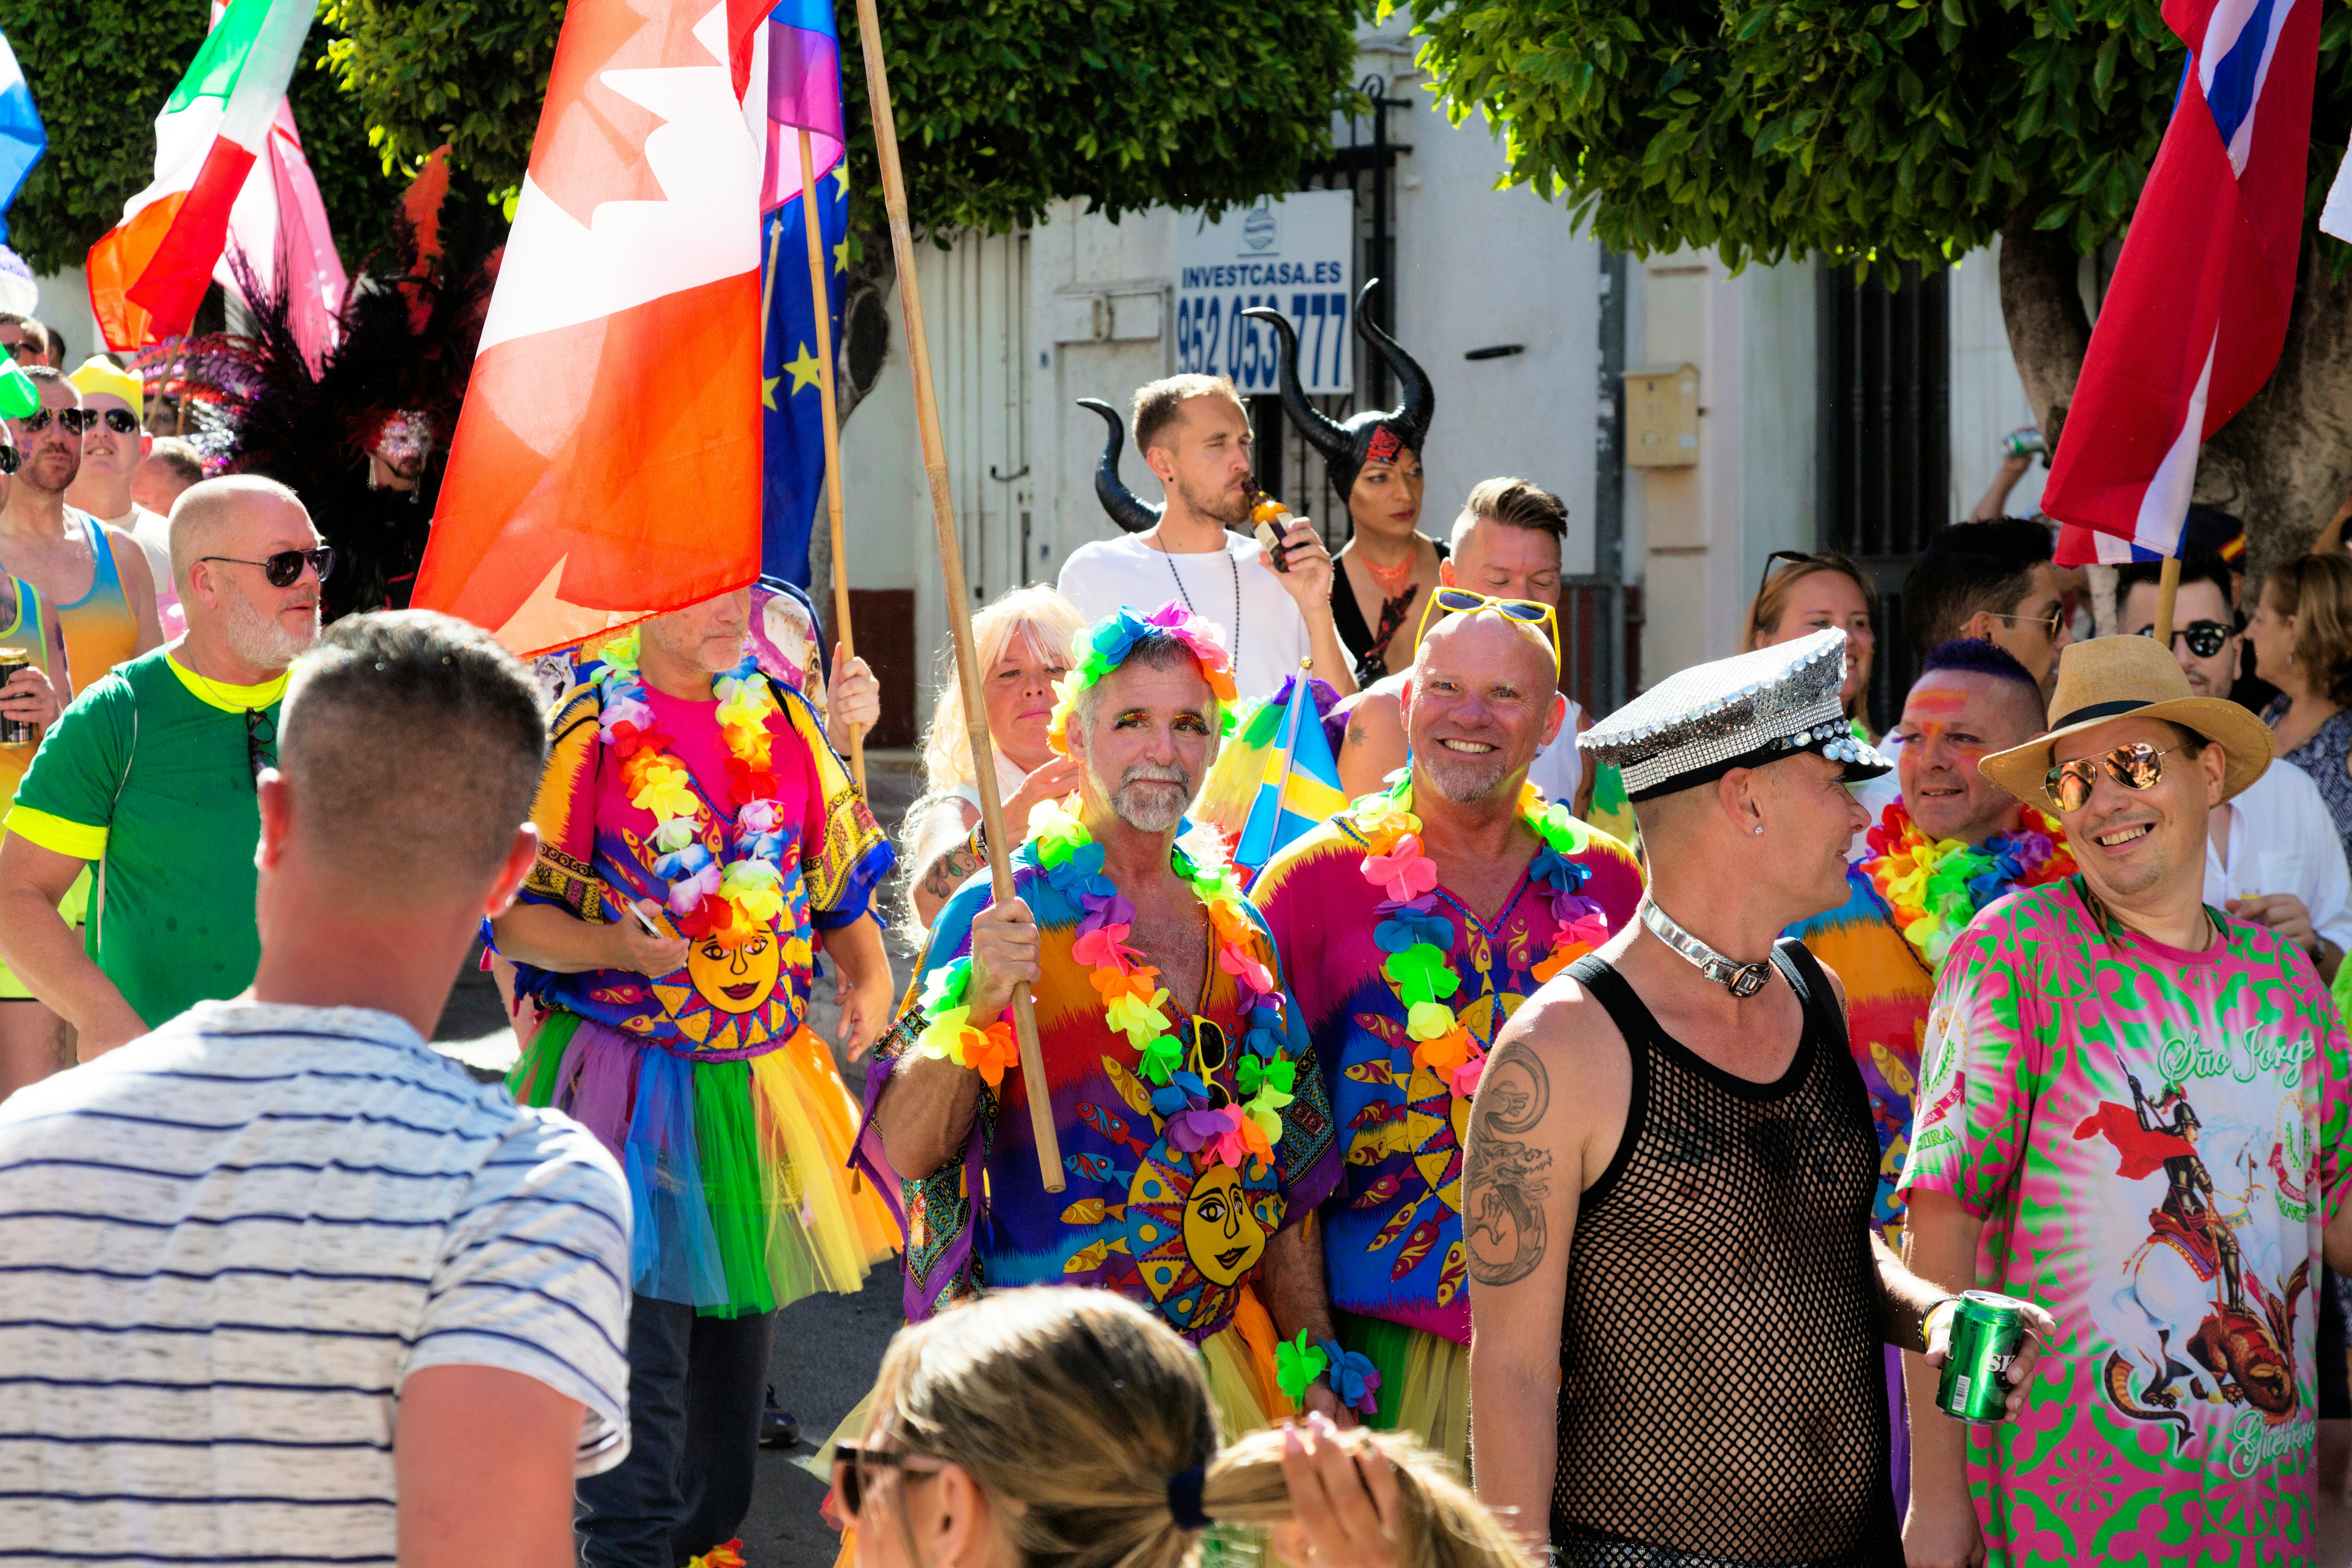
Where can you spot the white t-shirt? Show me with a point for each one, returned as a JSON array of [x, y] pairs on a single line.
[[1266, 641], [228, 1244], [2283, 840], [152, 531], [1559, 768]]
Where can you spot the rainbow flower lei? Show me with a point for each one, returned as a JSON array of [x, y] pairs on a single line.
[[1135, 1004], [1112, 639], [1418, 940], [725, 901], [1933, 887]]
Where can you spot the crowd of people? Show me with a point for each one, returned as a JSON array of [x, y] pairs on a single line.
[[1575, 1144]]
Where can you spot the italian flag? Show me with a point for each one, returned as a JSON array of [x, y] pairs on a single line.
[[148, 275]]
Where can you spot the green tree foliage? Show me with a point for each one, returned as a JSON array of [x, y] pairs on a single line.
[[1904, 130], [1003, 106], [99, 71]]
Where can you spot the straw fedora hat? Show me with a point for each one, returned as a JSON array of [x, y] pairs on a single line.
[[2113, 677]]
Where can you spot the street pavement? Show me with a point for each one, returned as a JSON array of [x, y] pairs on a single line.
[[827, 1348]]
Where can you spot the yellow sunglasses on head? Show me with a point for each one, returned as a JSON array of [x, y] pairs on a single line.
[[1469, 602]]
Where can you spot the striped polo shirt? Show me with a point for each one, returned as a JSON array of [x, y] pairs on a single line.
[[224, 1245]]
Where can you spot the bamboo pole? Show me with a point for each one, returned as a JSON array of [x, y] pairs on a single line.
[[958, 594], [818, 303], [2168, 587]]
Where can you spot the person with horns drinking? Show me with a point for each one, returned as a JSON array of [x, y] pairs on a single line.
[[1382, 577]]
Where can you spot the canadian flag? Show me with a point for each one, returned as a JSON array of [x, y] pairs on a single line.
[[606, 463]]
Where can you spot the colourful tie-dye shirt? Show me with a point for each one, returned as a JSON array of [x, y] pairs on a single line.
[[594, 849], [1393, 1248], [2153, 1139], [1179, 1234]]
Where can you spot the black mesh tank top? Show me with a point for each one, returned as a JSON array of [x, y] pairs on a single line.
[[1723, 1393]]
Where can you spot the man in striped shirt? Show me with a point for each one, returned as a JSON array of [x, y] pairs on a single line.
[[278, 1285]]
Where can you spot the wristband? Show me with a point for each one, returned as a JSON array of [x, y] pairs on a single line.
[[1932, 1306]]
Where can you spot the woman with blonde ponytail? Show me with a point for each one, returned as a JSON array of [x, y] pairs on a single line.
[[1067, 1428]]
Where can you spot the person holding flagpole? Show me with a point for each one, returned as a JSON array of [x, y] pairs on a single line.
[[696, 835], [1184, 1093], [1412, 925]]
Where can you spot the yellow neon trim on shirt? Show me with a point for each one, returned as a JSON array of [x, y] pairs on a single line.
[[56, 834], [227, 698]]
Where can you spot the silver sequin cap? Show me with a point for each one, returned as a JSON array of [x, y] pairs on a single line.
[[1697, 723]]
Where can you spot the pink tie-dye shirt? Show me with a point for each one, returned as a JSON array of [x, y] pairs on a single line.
[[2154, 1139]]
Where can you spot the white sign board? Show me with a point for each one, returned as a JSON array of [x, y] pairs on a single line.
[[1294, 254]]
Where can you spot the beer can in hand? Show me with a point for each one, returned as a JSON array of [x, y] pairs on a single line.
[[15, 732], [1986, 1332]]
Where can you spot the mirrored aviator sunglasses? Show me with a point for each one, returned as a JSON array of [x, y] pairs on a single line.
[[2137, 766], [10, 459]]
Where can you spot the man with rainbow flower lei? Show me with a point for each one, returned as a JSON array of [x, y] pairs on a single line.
[[1412, 925], [1194, 1129], [697, 833], [1949, 844]]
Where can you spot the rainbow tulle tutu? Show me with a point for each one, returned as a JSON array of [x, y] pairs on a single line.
[[738, 1170]]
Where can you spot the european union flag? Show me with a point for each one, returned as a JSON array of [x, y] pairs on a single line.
[[803, 93], [23, 138]]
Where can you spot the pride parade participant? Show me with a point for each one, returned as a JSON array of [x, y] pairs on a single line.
[[1671, 1169], [697, 835], [2134, 1113], [1411, 926], [1194, 1127]]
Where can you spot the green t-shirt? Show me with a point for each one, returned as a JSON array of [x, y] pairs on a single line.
[[149, 773]]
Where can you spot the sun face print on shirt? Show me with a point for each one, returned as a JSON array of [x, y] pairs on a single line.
[[725, 999], [1225, 1234]]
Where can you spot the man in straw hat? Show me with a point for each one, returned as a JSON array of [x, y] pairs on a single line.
[[2133, 1113], [1677, 1296]]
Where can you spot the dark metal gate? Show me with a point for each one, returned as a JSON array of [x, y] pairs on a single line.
[[1884, 444]]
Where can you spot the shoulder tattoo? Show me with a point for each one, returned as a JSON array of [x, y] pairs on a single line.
[[1507, 1179]]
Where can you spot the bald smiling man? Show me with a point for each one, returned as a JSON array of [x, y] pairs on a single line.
[[151, 775]]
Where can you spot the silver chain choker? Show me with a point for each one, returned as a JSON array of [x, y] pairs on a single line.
[[1744, 979]]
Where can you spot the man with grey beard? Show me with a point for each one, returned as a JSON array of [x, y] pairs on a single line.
[[151, 775], [1194, 1129]]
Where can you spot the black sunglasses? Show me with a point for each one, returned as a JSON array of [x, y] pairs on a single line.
[[260, 742], [119, 420], [850, 1462], [2205, 637], [73, 421], [285, 569], [9, 459]]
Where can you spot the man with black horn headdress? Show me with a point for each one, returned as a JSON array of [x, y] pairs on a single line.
[[1275, 614], [1384, 575]]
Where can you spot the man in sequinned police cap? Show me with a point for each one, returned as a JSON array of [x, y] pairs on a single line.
[[1671, 1158]]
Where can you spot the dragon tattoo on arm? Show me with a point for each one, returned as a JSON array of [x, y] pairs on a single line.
[[1508, 1179]]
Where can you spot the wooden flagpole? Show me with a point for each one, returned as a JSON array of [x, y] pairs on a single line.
[[818, 303], [2168, 587], [935, 469]]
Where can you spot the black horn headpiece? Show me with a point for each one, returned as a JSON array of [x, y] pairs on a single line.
[[1129, 511], [1373, 436]]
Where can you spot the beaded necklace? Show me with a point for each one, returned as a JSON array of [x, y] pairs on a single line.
[[1418, 939], [728, 900], [1933, 887], [1136, 1005]]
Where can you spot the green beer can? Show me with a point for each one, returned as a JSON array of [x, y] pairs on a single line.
[[1987, 1330]]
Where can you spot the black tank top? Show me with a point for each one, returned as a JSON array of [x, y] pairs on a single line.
[[1723, 1393]]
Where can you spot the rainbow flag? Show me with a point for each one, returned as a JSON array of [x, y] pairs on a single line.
[[1300, 784], [803, 93], [149, 273]]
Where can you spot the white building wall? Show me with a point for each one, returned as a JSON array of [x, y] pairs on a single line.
[[1988, 399]]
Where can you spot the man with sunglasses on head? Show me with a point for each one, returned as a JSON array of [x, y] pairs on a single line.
[[1990, 580], [2135, 1112], [1506, 546], [150, 775], [111, 450], [1403, 995]]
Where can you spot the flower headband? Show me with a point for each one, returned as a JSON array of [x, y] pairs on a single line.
[[1109, 641]]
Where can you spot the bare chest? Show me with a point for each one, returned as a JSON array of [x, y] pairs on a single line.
[[1174, 938], [63, 569]]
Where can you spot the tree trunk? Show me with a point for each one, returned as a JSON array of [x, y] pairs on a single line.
[[2284, 463], [2042, 306]]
